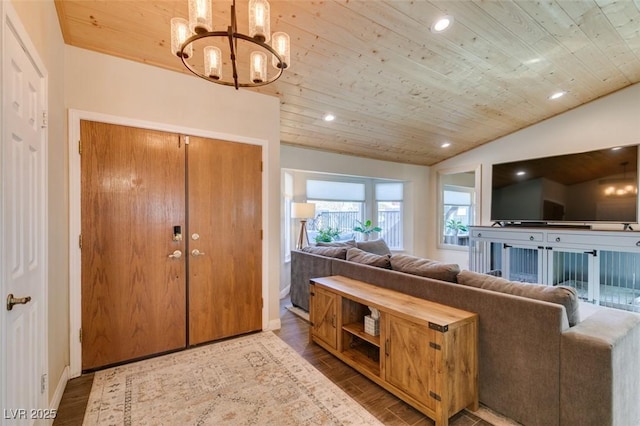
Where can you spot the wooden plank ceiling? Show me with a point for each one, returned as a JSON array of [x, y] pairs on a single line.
[[399, 91]]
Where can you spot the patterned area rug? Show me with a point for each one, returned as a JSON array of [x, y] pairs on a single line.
[[252, 380]]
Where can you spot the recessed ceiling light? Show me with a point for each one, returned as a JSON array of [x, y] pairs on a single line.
[[521, 173], [557, 95], [329, 117], [442, 24], [617, 148], [445, 145]]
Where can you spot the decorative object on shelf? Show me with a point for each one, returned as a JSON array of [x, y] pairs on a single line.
[[326, 235], [375, 313], [366, 228], [371, 326], [372, 322], [303, 211], [198, 32]]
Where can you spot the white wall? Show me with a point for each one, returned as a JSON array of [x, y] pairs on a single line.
[[607, 122], [416, 180], [41, 22]]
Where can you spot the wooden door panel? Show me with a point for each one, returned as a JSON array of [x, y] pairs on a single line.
[[324, 308], [412, 364], [225, 211], [133, 193]]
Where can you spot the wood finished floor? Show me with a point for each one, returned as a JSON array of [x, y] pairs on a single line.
[[386, 407]]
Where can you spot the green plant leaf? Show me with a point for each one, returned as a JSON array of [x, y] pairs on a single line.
[[366, 227]]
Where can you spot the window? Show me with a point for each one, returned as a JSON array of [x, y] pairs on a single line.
[[343, 200], [288, 198], [458, 208], [389, 198], [458, 213], [338, 206]]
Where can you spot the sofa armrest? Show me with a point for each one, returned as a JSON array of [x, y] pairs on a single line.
[[305, 266], [600, 372]]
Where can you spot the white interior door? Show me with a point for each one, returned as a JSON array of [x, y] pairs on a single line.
[[23, 262]]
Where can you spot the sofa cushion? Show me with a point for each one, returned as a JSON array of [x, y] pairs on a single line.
[[348, 244], [337, 252], [378, 246], [424, 267], [361, 256], [563, 295]]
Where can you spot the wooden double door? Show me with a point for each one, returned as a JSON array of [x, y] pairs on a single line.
[[171, 242]]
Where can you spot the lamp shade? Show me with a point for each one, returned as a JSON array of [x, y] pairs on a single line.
[[303, 210]]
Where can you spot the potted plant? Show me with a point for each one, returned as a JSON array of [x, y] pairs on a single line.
[[326, 235], [366, 228], [455, 226]]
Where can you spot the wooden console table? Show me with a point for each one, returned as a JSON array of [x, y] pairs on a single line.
[[426, 353]]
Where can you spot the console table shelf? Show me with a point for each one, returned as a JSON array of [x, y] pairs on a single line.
[[426, 353], [357, 329]]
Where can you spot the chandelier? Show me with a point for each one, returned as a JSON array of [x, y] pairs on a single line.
[[621, 187], [200, 48]]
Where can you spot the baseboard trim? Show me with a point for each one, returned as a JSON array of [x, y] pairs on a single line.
[[274, 324], [57, 395], [285, 291]]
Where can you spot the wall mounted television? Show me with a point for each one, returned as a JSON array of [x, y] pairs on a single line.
[[586, 187]]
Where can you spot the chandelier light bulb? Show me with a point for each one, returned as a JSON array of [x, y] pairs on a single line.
[[213, 62], [258, 67], [179, 33], [280, 42], [259, 20], [200, 20]]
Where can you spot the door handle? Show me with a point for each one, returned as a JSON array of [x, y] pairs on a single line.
[[16, 301], [196, 252], [176, 254]]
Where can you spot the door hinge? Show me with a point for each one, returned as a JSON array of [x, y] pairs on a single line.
[[80, 335], [43, 383], [45, 120], [80, 241], [80, 146], [262, 166], [261, 235], [435, 396], [435, 346]]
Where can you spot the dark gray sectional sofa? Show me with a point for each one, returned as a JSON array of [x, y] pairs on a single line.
[[534, 367]]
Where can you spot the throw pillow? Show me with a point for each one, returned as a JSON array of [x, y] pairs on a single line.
[[425, 267], [361, 256], [348, 243], [337, 252], [563, 295], [378, 246]]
